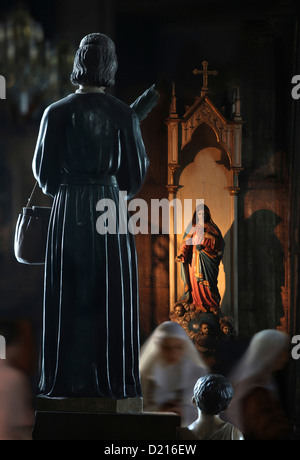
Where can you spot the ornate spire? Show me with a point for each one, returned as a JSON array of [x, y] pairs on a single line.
[[237, 105], [173, 105]]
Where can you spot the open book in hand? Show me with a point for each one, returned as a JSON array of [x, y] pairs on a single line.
[[145, 103]]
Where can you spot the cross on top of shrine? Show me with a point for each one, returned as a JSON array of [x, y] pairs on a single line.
[[205, 72]]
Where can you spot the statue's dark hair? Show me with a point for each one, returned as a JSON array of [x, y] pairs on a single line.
[[213, 394], [95, 62]]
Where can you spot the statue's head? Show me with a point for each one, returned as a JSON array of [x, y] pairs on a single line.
[[95, 62], [202, 212], [213, 394]]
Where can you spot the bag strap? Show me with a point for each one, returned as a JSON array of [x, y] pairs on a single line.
[[30, 198]]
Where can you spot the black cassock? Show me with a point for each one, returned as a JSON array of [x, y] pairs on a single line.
[[89, 147]]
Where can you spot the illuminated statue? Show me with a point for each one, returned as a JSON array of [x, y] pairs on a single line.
[[90, 147], [200, 254]]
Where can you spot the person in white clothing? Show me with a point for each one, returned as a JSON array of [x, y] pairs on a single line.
[[16, 409], [170, 366], [256, 408]]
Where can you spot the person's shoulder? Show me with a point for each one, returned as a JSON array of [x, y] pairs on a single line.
[[237, 435], [61, 102], [123, 115], [57, 106], [120, 105], [113, 107]]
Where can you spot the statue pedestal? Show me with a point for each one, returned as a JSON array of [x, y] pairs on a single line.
[[90, 405], [101, 419]]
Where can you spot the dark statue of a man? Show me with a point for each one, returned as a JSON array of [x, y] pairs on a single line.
[[89, 147]]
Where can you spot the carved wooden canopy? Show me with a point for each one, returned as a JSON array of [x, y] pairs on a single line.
[[228, 134], [203, 111]]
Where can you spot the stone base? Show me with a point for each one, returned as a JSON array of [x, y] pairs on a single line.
[[146, 426], [90, 405]]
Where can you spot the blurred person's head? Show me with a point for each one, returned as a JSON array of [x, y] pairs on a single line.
[[267, 353], [169, 344], [172, 349], [170, 339]]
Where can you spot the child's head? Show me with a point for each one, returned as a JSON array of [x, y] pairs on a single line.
[[226, 326], [205, 328], [179, 309], [213, 394]]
